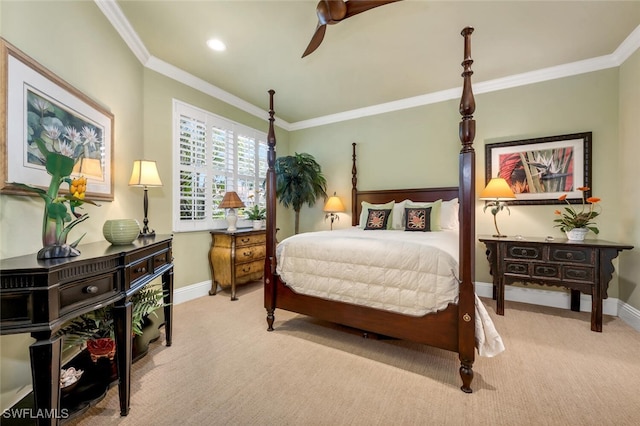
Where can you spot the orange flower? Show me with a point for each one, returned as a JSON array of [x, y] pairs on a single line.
[[571, 218]]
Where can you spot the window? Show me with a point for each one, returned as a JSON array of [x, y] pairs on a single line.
[[213, 155]]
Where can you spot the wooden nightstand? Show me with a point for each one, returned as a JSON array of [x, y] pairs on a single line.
[[581, 266], [236, 257]]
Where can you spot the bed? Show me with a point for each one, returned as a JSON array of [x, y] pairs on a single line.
[[453, 324]]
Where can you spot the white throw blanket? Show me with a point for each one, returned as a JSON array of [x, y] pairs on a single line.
[[411, 273]]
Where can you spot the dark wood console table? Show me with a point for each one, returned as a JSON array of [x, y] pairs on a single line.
[[581, 266], [39, 296]]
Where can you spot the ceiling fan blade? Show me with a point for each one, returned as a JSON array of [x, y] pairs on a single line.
[[318, 35], [358, 6]]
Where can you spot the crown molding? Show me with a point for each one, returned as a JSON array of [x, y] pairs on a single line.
[[114, 14]]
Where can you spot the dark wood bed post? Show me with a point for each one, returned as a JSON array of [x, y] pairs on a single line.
[[354, 186], [466, 303], [270, 259]]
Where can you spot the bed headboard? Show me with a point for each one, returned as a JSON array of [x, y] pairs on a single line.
[[385, 195]]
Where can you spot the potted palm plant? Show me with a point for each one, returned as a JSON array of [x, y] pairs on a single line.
[[299, 181]]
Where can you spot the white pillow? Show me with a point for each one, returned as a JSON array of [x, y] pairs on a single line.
[[449, 214], [398, 215]]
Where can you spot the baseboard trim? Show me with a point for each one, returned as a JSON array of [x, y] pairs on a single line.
[[562, 300], [534, 296], [190, 292]]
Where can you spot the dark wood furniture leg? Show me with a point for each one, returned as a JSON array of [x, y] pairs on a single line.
[[575, 300], [167, 287], [122, 316], [45, 356]]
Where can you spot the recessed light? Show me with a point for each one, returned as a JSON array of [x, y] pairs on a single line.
[[216, 45]]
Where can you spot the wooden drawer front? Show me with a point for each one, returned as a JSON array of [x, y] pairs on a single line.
[[576, 273], [247, 269], [574, 255], [85, 292], [139, 270], [516, 268], [161, 259], [517, 251], [248, 240], [250, 253], [546, 271]]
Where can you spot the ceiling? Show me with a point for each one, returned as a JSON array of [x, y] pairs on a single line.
[[401, 50]]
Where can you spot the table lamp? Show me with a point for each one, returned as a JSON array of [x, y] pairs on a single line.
[[231, 201], [89, 167], [145, 174], [496, 193], [331, 207]]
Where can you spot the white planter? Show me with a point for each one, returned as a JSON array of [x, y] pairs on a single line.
[[577, 234], [257, 224]]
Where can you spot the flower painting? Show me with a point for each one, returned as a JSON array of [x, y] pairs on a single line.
[[539, 170], [40, 106]]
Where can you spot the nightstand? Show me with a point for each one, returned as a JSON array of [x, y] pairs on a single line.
[[580, 266], [236, 257]]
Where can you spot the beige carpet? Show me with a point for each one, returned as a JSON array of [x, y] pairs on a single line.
[[224, 368]]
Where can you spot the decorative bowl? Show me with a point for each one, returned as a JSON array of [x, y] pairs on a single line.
[[121, 231]]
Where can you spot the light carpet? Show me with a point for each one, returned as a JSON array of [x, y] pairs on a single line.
[[224, 368]]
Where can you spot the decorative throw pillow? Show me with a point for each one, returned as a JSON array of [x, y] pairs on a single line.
[[365, 212], [417, 219], [377, 219], [435, 211]]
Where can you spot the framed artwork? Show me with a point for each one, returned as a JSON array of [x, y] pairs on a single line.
[[37, 104], [540, 170]]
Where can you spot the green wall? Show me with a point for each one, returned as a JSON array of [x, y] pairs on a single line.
[[411, 148]]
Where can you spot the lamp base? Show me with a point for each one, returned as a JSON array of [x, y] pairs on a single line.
[[151, 233], [232, 219]]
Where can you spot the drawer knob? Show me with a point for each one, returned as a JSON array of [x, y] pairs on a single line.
[[159, 259], [143, 270], [91, 289], [245, 240], [569, 255], [246, 269], [523, 252], [248, 254]]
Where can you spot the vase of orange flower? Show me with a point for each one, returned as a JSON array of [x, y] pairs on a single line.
[[576, 224]]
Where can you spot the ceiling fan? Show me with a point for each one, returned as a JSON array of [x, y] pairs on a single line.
[[333, 11]]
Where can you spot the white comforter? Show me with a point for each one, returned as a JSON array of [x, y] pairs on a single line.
[[412, 273]]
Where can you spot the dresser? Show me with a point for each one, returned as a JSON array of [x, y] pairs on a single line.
[[39, 296], [580, 266], [236, 257]]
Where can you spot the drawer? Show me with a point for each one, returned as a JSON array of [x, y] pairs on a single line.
[[249, 269], [545, 271], [250, 253], [519, 251], [577, 273], [516, 268], [572, 254], [160, 260], [139, 270], [249, 240], [86, 292]]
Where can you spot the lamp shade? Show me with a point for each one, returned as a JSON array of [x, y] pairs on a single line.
[[231, 201], [89, 167], [145, 173], [333, 205], [497, 189]]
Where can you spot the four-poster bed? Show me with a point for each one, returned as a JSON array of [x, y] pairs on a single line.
[[452, 328]]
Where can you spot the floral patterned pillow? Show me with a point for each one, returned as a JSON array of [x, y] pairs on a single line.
[[417, 219], [377, 219]]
